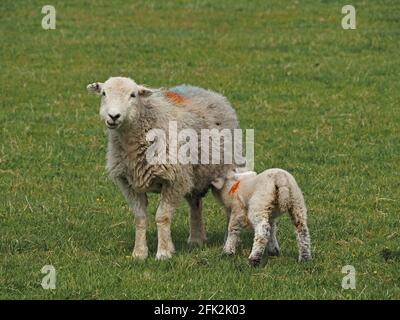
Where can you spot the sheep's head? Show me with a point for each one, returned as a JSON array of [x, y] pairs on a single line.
[[120, 100]]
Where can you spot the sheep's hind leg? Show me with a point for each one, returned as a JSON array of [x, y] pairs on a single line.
[[261, 235], [197, 231], [262, 230], [273, 245], [299, 219]]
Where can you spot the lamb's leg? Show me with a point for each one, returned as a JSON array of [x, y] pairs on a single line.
[[228, 218], [168, 203], [273, 245], [262, 231], [299, 219], [236, 222], [197, 230], [260, 213], [138, 204]]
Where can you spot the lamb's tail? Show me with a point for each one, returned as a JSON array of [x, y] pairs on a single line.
[[283, 191]]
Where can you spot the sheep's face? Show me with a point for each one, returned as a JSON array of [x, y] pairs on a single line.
[[120, 100]]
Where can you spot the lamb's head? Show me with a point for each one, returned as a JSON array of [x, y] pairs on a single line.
[[224, 187], [220, 188], [120, 100]]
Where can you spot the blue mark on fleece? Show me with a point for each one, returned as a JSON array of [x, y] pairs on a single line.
[[187, 91]]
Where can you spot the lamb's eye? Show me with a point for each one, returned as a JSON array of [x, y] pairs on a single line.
[[104, 93], [133, 95]]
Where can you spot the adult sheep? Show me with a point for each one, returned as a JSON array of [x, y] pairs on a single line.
[[130, 111]]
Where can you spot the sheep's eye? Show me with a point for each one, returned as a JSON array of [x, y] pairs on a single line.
[[104, 93], [133, 95]]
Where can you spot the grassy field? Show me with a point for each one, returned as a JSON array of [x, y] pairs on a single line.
[[324, 103]]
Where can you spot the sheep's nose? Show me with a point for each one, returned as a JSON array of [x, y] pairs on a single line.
[[114, 116]]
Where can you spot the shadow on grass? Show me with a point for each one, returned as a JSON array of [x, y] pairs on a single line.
[[214, 239], [390, 255]]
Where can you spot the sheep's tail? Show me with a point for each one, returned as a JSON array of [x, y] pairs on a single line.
[[283, 191]]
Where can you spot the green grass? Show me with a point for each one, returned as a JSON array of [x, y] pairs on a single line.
[[323, 102]]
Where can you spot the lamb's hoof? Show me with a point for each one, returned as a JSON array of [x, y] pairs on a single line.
[[274, 252], [254, 262], [229, 251], [163, 255], [303, 258], [140, 254], [197, 241]]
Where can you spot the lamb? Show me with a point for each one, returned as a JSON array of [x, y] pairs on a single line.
[[130, 111], [261, 199]]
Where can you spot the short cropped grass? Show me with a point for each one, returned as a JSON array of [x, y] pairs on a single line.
[[324, 103]]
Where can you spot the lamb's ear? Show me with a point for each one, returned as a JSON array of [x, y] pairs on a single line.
[[218, 183], [239, 175], [95, 88], [144, 92]]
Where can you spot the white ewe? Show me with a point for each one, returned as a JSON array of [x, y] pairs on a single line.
[[130, 111]]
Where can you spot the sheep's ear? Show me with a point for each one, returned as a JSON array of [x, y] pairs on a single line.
[[95, 88], [218, 183], [144, 92]]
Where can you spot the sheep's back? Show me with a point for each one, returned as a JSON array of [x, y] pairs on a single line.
[[212, 109], [208, 110]]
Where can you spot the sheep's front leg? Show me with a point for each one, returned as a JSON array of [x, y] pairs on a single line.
[[138, 204], [197, 230], [140, 249], [167, 205], [236, 222]]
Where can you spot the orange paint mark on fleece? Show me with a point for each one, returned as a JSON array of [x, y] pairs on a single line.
[[174, 97], [234, 187]]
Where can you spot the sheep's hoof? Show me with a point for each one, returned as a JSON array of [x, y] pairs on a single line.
[[273, 252], [140, 254], [196, 241], [254, 262], [171, 248], [229, 251], [163, 255]]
